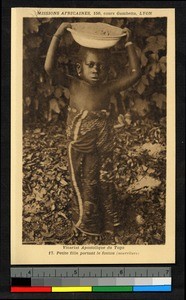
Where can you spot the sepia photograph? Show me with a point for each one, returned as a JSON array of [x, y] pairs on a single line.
[[95, 117]]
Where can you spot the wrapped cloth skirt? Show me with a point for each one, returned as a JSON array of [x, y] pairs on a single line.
[[90, 154]]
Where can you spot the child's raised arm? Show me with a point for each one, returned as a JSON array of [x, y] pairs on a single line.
[[126, 81], [50, 62]]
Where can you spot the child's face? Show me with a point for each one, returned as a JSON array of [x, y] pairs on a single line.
[[94, 68]]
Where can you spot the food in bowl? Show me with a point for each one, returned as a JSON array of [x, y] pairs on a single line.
[[96, 35]]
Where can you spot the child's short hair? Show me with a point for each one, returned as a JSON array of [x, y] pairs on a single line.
[[83, 51]]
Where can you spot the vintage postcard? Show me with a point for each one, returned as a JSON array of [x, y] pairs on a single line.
[[92, 136]]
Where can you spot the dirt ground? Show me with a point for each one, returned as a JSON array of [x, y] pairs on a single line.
[[140, 177]]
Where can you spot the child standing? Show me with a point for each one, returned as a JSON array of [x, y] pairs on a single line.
[[90, 131]]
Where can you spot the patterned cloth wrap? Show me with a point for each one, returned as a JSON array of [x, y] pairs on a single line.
[[90, 146]]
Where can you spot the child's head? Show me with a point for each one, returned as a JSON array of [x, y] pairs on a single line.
[[93, 65]]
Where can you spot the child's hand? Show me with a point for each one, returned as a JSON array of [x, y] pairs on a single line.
[[60, 31], [128, 33]]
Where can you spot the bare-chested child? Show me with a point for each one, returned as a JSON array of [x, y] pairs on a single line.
[[90, 131]]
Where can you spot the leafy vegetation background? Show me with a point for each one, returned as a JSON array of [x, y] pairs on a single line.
[[140, 154]]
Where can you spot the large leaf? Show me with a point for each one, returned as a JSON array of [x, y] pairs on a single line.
[[31, 25], [66, 93], [144, 59], [153, 150], [155, 43], [141, 87], [146, 183], [142, 84], [153, 69], [53, 107], [162, 63], [58, 92], [160, 100], [140, 106], [145, 80], [46, 20]]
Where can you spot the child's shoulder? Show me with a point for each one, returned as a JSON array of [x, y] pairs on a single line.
[[77, 81], [69, 80], [74, 79]]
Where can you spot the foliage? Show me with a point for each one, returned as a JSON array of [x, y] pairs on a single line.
[[149, 35]]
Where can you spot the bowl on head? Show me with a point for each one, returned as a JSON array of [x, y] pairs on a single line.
[[96, 35]]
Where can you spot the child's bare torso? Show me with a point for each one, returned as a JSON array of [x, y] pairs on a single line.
[[84, 96]]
